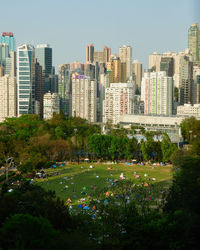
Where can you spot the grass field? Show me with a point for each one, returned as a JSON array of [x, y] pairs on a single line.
[[79, 181]]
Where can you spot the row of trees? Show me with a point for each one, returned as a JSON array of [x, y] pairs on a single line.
[[115, 148], [35, 143]]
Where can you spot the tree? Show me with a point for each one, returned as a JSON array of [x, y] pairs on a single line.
[[167, 147], [185, 191], [190, 129], [23, 231]]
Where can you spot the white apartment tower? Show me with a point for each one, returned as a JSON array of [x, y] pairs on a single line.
[[8, 97], [157, 93], [119, 100], [84, 98], [125, 54], [51, 105]]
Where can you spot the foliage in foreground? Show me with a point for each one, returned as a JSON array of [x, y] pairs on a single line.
[[124, 223]]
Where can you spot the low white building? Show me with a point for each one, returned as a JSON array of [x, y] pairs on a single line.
[[163, 124], [189, 110], [119, 100], [51, 105]]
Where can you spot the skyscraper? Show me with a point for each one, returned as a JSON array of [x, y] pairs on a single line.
[[90, 53], [38, 88], [10, 66], [107, 54], [4, 53], [194, 42], [125, 54], [43, 54], [89, 70], [137, 71], [25, 79], [64, 88], [186, 80], [99, 57], [103, 84], [157, 93], [8, 38], [114, 69], [84, 97], [167, 65]]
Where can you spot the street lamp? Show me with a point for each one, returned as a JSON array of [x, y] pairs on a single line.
[[9, 160]]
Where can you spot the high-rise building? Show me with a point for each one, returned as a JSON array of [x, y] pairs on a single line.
[[84, 97], [167, 65], [123, 72], [51, 105], [8, 38], [137, 71], [64, 88], [25, 79], [125, 53], [116, 68], [196, 85], [102, 56], [7, 53], [89, 70], [157, 93], [2, 70], [99, 57], [8, 97], [4, 53], [43, 54], [155, 63], [119, 100], [90, 53], [155, 60], [77, 67], [107, 54], [186, 80], [103, 84], [10, 66], [38, 88], [194, 42]]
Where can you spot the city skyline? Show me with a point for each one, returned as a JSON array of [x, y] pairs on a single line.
[[68, 27]]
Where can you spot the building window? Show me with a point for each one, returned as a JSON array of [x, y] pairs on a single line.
[[24, 78], [24, 73]]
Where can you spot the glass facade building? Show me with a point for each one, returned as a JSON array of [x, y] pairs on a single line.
[[25, 81], [43, 54], [8, 38]]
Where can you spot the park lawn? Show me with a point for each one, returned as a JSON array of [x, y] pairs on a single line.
[[81, 178]]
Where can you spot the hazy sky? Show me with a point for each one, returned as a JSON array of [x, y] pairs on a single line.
[[68, 26]]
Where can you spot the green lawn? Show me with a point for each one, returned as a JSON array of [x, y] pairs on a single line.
[[75, 179]]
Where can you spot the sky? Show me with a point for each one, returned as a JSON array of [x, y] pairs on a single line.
[[68, 26]]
